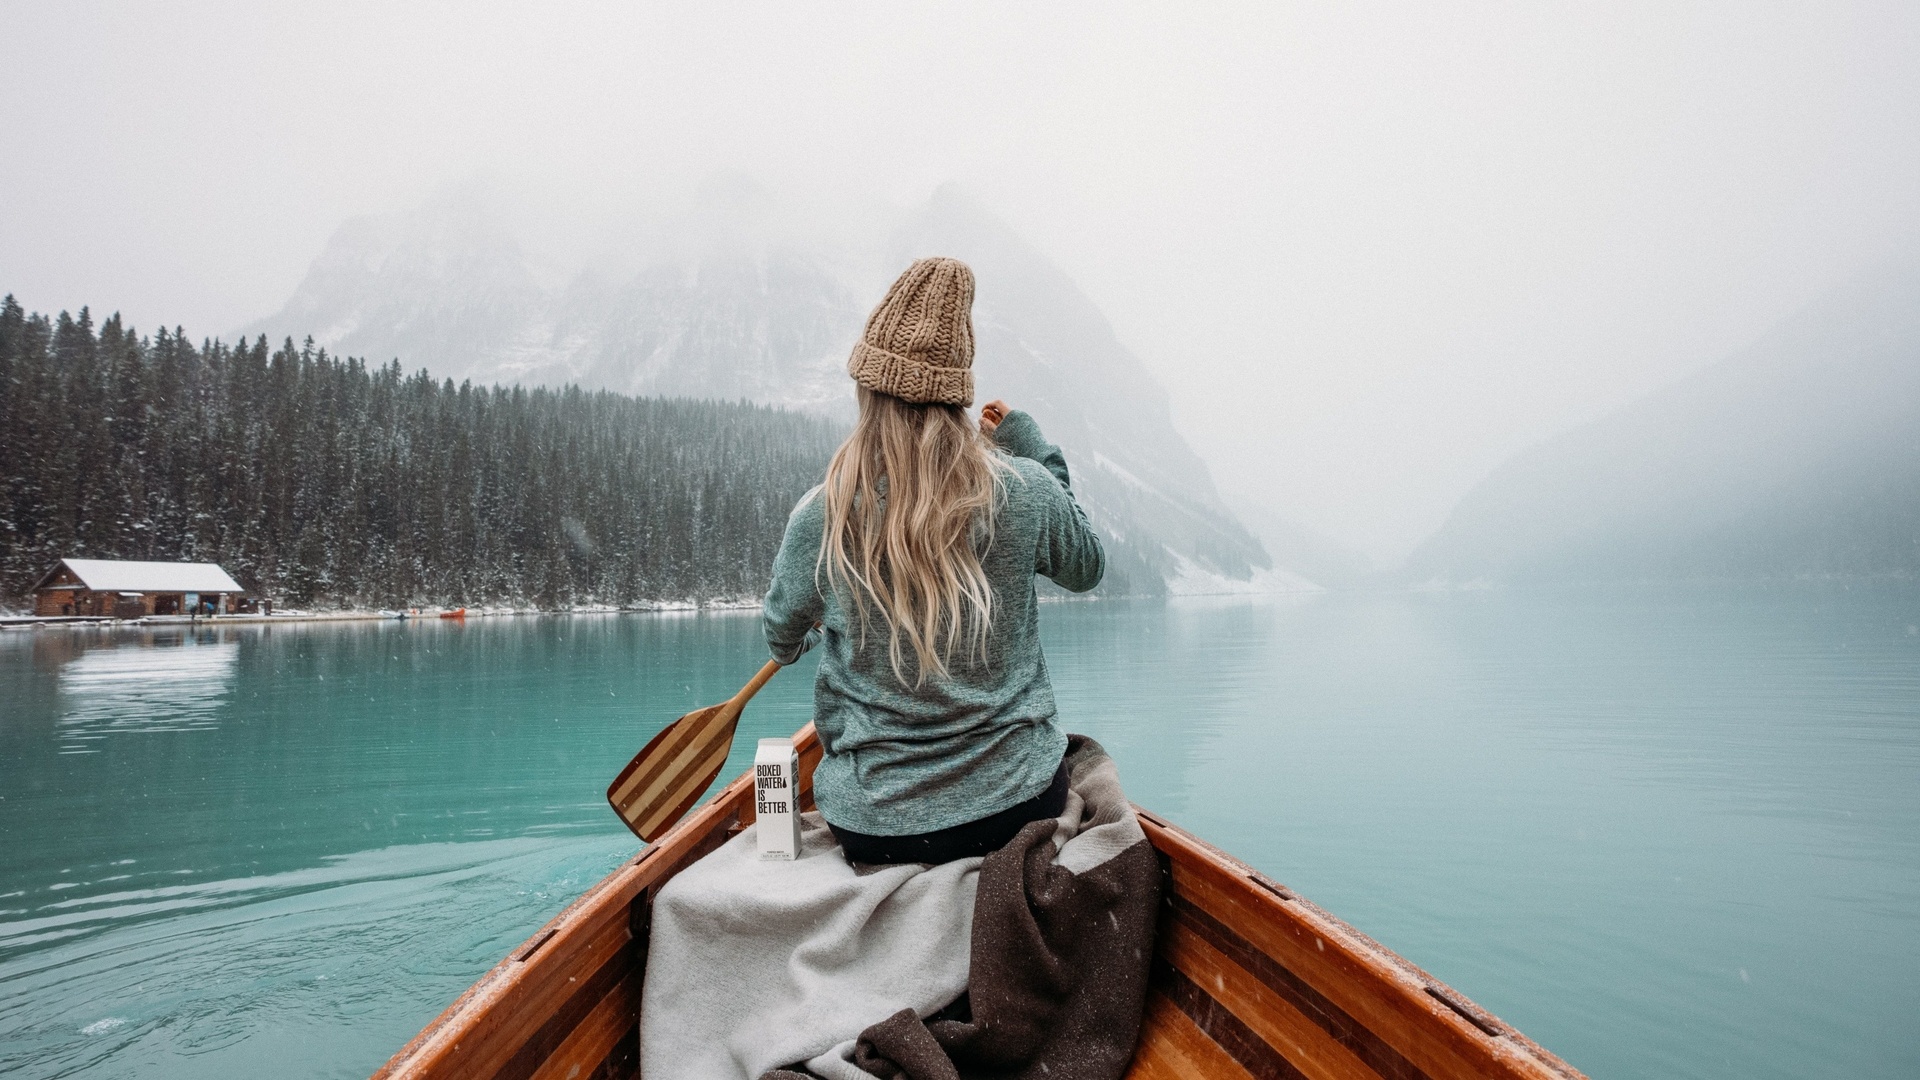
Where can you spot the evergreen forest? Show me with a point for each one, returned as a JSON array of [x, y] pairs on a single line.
[[321, 481]]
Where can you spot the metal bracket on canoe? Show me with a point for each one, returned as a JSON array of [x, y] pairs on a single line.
[[533, 946], [1272, 886], [1446, 996]]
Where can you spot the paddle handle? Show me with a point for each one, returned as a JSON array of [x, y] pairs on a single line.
[[754, 684]]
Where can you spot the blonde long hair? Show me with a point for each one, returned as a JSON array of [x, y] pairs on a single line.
[[910, 500]]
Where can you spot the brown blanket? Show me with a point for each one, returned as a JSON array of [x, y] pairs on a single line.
[[1063, 928]]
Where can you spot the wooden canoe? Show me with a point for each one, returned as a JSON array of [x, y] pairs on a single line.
[[1251, 981]]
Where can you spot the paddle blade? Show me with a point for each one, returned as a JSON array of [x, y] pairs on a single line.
[[668, 776]]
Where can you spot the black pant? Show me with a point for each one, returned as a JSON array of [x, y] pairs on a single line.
[[989, 833]]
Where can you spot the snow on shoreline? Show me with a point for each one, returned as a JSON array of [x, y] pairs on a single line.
[[1194, 580], [295, 615]]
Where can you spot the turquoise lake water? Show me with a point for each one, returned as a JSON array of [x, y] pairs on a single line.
[[1667, 834]]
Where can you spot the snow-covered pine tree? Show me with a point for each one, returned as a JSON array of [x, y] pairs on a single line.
[[321, 481]]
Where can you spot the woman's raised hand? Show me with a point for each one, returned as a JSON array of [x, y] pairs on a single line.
[[991, 414]]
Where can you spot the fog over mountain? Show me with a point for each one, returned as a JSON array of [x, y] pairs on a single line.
[[1797, 457], [727, 303]]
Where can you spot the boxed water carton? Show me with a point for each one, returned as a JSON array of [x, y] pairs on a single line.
[[776, 775]]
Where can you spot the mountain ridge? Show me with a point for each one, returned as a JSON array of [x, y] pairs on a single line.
[[726, 312], [1796, 457]]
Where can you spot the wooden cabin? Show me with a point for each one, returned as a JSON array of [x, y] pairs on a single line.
[[114, 589]]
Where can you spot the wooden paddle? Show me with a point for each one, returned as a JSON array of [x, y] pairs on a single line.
[[670, 773]]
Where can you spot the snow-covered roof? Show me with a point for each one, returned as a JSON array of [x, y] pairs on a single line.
[[112, 575]]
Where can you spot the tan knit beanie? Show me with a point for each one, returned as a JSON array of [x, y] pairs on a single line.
[[918, 344]]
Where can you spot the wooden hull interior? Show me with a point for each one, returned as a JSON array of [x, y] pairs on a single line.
[[1250, 981]]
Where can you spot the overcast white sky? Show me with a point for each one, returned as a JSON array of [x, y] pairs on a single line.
[[1372, 249]]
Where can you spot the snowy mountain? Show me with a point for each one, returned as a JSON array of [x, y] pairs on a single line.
[[1798, 457], [725, 311], [445, 288]]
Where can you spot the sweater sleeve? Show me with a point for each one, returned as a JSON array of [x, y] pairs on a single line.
[[1019, 435], [1069, 550], [793, 604]]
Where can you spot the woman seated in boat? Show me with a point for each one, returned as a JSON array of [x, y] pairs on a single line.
[[912, 569]]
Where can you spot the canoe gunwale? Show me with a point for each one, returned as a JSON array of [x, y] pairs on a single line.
[[459, 1041], [1460, 1037], [564, 1003]]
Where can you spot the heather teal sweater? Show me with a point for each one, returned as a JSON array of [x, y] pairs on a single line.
[[899, 760]]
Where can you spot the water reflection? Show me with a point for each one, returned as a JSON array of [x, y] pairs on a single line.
[[1667, 833], [161, 685], [270, 975]]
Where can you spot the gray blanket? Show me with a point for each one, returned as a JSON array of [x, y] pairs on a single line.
[[1032, 962]]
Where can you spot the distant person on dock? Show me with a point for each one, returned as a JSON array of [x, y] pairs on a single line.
[[912, 569]]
